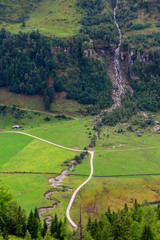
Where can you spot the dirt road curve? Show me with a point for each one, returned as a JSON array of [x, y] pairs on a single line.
[[77, 190]]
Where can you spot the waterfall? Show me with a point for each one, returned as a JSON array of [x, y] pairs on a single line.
[[118, 75]]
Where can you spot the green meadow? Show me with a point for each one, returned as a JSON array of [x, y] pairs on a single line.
[[127, 162], [72, 133], [11, 145], [115, 154], [35, 156], [59, 17], [28, 102], [111, 139], [28, 190]]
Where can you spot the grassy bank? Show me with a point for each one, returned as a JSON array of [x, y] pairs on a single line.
[[58, 17]]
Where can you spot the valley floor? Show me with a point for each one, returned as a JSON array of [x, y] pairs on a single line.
[[115, 154]]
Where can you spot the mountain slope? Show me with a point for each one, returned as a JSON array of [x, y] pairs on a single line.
[[50, 17]]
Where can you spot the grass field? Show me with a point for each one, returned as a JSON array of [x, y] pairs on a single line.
[[59, 105], [27, 154], [127, 162], [73, 133], [28, 189], [101, 193], [11, 145], [111, 139], [33, 155], [59, 17]]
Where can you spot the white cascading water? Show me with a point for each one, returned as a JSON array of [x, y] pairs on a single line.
[[118, 75]]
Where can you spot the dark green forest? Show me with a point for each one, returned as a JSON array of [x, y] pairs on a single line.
[[28, 60], [147, 86]]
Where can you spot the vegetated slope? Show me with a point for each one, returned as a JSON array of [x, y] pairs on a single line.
[[140, 52], [50, 17], [34, 64]]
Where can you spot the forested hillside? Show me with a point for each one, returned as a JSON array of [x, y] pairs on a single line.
[[140, 52], [36, 62]]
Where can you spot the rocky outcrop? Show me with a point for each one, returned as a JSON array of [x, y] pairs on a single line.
[[128, 58], [134, 55]]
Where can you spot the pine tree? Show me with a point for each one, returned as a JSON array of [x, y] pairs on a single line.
[[63, 233], [39, 235], [147, 233], [94, 227], [44, 230], [36, 214], [48, 236], [158, 211], [34, 224], [46, 101], [54, 226], [117, 233], [125, 208], [30, 223], [58, 233], [27, 236], [36, 227], [20, 222]]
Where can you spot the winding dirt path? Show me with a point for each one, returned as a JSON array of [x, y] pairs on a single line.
[[77, 190], [73, 224]]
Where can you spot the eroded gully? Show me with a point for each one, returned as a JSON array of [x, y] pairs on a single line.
[[119, 82]]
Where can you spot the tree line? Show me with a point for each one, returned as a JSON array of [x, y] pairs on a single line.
[[141, 222]]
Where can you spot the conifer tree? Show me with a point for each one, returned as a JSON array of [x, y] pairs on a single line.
[[44, 230], [20, 222], [36, 214], [125, 208], [48, 236], [54, 226], [30, 223], [63, 232], [158, 211], [27, 236], [147, 233]]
